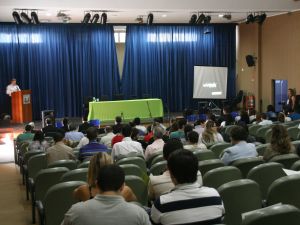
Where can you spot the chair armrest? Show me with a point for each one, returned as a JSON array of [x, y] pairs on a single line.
[[41, 212], [30, 183]]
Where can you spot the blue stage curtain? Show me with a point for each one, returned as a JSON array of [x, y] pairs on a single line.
[[61, 63], [159, 60]]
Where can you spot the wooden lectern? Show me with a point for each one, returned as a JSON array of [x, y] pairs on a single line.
[[21, 106]]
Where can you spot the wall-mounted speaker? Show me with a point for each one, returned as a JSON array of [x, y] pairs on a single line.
[[47, 114], [250, 59]]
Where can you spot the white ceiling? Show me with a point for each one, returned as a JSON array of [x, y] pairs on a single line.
[[126, 11]]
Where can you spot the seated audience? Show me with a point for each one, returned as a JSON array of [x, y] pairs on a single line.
[[280, 143], [271, 115], [33, 126], [161, 184], [264, 120], [73, 135], [189, 202], [84, 141], [90, 190], [109, 135], [210, 136], [244, 117], [149, 136], [240, 149], [127, 145], [93, 147], [117, 128], [296, 114], [59, 151], [200, 126], [179, 134], [187, 129], [65, 125], [84, 126], [108, 207], [27, 136], [39, 142], [50, 128], [160, 121], [258, 118], [252, 115], [193, 142], [158, 143], [137, 125], [282, 118], [226, 119], [135, 134]]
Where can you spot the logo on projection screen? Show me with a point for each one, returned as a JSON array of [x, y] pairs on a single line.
[[210, 85]]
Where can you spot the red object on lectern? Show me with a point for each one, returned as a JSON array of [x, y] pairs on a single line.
[[21, 106]]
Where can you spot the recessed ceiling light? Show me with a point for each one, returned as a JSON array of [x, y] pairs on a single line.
[[48, 14], [221, 15], [164, 15]]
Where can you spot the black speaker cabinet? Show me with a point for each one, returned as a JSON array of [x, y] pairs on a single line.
[[250, 60]]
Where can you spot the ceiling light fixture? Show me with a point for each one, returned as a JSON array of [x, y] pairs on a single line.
[[16, 17], [193, 19], [207, 20], [259, 18], [34, 18], [103, 18], [95, 18], [86, 18], [200, 18], [150, 19], [25, 18]]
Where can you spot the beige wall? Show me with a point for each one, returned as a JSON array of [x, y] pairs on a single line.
[[120, 48], [278, 52]]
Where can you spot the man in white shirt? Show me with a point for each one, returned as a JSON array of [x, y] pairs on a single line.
[[106, 140], [127, 145], [158, 143], [264, 120], [137, 123], [12, 87]]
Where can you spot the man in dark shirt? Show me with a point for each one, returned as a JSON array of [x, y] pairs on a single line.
[[117, 128], [84, 126], [93, 147], [50, 128]]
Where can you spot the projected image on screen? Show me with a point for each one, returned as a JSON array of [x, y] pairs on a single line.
[[210, 82]]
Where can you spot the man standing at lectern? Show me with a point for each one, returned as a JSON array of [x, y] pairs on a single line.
[[12, 87]]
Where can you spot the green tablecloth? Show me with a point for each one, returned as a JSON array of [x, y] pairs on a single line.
[[128, 109]]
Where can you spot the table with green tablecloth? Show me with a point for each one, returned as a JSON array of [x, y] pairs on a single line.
[[128, 109]]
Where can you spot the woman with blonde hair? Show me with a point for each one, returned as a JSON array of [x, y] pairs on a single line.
[[210, 135], [280, 143], [89, 191]]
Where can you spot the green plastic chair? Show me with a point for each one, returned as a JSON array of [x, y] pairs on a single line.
[[75, 175], [261, 132], [296, 143], [149, 161], [293, 133], [246, 164], [68, 163], [261, 149], [204, 154], [228, 129], [287, 160], [296, 166], [157, 159], [84, 164], [58, 200], [35, 164], [285, 190], [219, 176], [207, 165], [238, 197], [138, 187], [76, 153], [134, 160], [265, 174], [268, 136], [158, 168], [219, 148], [132, 169], [43, 181], [27, 156], [253, 129], [273, 215]]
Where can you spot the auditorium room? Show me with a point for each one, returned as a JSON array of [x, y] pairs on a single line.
[[150, 112]]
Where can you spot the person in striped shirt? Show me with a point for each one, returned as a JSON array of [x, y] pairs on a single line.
[[189, 202], [93, 147]]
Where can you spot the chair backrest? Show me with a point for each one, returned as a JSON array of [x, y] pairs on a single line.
[[273, 215], [158, 168], [296, 166], [253, 129], [293, 133], [35, 164], [246, 164], [68, 163], [204, 154], [29, 154], [157, 159], [261, 132], [285, 190], [84, 164], [261, 149], [207, 165], [47, 178], [296, 143], [75, 175], [219, 176], [138, 187], [23, 148], [134, 160], [219, 148], [268, 136], [132, 169], [265, 174], [228, 129], [287, 160], [58, 200], [149, 161], [239, 196]]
